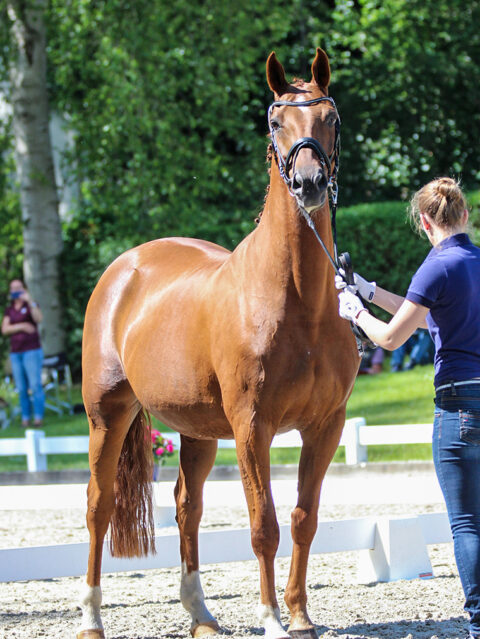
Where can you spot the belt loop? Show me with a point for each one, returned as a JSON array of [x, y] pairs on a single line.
[[452, 386]]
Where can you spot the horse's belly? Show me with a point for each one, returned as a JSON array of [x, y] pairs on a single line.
[[200, 422]]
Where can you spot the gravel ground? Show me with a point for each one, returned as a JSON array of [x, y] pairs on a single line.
[[146, 605]]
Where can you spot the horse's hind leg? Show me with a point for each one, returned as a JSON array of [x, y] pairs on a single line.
[[196, 460], [110, 418]]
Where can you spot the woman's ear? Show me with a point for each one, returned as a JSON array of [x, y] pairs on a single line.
[[425, 222]]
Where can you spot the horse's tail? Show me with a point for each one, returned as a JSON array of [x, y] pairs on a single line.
[[132, 528]]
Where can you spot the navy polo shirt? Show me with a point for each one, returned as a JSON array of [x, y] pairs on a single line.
[[448, 283]]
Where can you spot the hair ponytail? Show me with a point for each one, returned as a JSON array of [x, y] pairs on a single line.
[[441, 200]]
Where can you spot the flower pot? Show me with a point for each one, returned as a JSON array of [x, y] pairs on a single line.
[[157, 472]]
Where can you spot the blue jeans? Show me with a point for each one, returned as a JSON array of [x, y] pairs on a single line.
[[27, 373], [456, 455]]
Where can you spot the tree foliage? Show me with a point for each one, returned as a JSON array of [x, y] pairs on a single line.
[[168, 104]]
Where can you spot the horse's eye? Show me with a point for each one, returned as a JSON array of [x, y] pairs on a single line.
[[331, 119], [275, 124]]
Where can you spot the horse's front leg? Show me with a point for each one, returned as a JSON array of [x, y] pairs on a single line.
[[253, 445], [319, 446], [196, 460]]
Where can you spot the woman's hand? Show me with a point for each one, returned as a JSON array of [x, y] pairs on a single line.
[[362, 286], [350, 306], [27, 327], [21, 327], [25, 297]]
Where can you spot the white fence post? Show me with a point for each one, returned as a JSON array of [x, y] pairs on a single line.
[[399, 552], [355, 453], [35, 459]]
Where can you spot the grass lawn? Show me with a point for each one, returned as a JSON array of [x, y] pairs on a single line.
[[387, 398]]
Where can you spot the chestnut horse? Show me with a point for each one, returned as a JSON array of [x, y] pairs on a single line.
[[220, 345]]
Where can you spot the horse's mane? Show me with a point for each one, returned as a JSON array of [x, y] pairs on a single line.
[[268, 162]]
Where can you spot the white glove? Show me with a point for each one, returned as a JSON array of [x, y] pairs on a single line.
[[349, 306], [362, 286], [365, 288], [341, 284]]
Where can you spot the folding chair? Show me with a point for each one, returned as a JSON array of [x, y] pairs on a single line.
[[56, 375]]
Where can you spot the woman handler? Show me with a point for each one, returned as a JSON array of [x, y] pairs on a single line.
[[443, 296]]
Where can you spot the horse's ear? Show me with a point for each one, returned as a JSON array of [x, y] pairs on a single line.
[[276, 75], [321, 69]]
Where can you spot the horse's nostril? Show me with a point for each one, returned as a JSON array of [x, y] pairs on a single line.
[[320, 180], [297, 181]]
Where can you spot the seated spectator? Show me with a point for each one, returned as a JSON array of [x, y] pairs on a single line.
[[372, 361], [421, 350]]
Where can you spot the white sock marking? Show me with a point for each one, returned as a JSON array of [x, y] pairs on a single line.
[[269, 618], [191, 595], [90, 602]]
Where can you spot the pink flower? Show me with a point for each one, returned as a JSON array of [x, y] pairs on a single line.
[[160, 451], [169, 447], [155, 434]]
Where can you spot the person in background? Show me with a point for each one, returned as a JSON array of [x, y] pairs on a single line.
[[443, 296], [398, 355], [420, 348], [26, 355], [372, 361]]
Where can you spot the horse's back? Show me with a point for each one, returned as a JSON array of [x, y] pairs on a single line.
[[152, 266]]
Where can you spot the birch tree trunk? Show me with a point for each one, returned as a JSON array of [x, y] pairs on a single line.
[[34, 160]]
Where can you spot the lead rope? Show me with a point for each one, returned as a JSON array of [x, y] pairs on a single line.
[[333, 188]]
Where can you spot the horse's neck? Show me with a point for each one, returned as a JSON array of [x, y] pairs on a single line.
[[288, 257]]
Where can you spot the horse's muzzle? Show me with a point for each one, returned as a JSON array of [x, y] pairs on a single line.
[[310, 188]]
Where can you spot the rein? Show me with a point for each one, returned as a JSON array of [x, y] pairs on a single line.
[[286, 166]]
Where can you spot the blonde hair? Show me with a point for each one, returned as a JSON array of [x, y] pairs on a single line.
[[442, 200]]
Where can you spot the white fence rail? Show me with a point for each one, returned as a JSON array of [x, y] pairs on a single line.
[[356, 437], [390, 549]]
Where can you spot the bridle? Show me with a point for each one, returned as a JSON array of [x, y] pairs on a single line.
[[330, 163], [287, 166]]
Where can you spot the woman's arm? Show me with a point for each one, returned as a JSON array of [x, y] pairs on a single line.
[[35, 311], [386, 300], [391, 303], [374, 294], [21, 327], [403, 324]]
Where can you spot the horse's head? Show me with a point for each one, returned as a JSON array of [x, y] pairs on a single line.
[[304, 127]]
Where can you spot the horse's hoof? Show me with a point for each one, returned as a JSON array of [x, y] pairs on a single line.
[[309, 633], [206, 628], [91, 634]]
